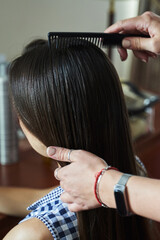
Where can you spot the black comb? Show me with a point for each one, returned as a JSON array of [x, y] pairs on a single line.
[[99, 39]]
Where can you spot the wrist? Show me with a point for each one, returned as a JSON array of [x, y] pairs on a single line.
[[106, 187]]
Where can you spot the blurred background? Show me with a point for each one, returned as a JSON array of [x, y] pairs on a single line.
[[24, 20]]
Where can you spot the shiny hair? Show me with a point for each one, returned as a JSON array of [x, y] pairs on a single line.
[[72, 97]]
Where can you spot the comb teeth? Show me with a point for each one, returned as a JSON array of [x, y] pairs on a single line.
[[65, 39]]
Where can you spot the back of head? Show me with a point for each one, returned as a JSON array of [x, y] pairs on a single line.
[[71, 97], [73, 94]]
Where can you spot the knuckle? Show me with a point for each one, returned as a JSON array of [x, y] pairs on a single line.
[[62, 197], [155, 46], [147, 18], [57, 173], [120, 24], [62, 155], [65, 187], [137, 43], [78, 154], [64, 174], [148, 14], [71, 209]]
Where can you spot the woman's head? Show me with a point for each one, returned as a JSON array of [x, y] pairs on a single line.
[[70, 97]]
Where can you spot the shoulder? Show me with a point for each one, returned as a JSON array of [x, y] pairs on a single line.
[[54, 215], [32, 229]]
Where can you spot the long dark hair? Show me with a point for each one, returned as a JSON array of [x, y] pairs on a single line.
[[72, 97]]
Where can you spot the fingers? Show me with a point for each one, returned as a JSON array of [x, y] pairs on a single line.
[[66, 197], [143, 56], [135, 25], [138, 43], [74, 207], [125, 26], [56, 173], [123, 53], [73, 204], [149, 24], [76, 204], [143, 48]]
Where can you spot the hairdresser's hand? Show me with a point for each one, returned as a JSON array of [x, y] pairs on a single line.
[[143, 48], [78, 178]]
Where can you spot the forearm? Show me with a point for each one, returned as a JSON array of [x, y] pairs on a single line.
[[144, 197], [143, 194], [14, 201]]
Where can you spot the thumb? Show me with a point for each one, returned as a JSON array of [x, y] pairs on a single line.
[[59, 153], [67, 155], [137, 43]]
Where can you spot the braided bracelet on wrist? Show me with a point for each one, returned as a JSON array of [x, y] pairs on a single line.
[[97, 181]]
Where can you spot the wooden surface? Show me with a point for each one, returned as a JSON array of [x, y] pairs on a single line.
[[31, 170], [147, 147]]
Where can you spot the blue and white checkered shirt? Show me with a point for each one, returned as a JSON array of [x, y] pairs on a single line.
[[55, 215]]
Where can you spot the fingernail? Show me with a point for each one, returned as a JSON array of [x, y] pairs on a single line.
[[122, 58], [126, 43], [144, 60], [51, 151], [155, 56]]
